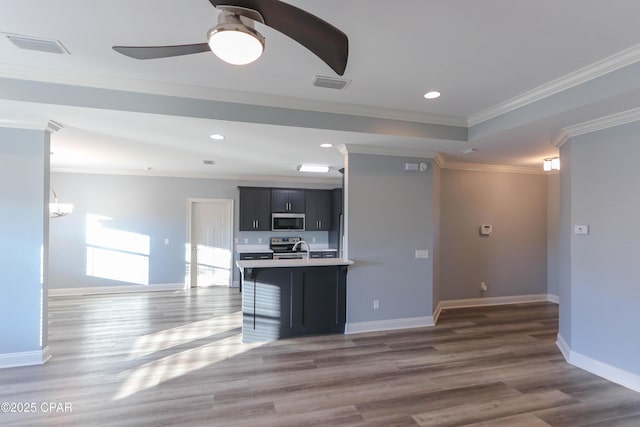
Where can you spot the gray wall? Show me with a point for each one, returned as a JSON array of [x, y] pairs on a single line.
[[389, 214], [437, 222], [152, 206], [553, 236], [24, 188], [513, 261], [605, 268]]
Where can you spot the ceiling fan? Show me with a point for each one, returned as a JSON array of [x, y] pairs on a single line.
[[236, 24]]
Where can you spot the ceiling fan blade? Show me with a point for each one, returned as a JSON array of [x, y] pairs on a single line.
[[323, 39], [153, 52]]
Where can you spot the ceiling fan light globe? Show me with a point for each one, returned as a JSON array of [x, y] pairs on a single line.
[[236, 44]]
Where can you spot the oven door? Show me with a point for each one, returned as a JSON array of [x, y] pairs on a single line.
[[287, 222]]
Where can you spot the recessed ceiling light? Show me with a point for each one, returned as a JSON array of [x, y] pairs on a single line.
[[433, 94], [326, 145], [216, 136], [313, 168]]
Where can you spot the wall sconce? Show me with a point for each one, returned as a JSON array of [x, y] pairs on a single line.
[[552, 164], [56, 210]]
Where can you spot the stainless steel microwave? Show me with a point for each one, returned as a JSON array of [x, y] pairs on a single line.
[[287, 222]]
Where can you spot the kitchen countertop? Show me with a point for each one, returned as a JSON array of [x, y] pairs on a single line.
[[274, 263], [314, 247]]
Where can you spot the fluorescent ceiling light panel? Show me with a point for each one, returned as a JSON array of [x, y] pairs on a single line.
[[33, 43], [313, 168]]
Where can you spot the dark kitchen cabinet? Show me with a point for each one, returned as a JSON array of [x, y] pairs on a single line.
[[287, 200], [255, 209], [249, 256], [318, 210], [288, 302]]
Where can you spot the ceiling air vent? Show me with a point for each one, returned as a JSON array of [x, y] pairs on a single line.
[[330, 82], [209, 162], [32, 43]]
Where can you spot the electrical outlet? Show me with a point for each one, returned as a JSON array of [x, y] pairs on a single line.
[[246, 240], [483, 287], [259, 240], [313, 240], [376, 304], [166, 241]]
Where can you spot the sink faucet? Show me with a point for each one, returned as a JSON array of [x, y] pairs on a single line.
[[299, 243]]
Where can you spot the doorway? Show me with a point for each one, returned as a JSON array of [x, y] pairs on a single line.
[[210, 249]]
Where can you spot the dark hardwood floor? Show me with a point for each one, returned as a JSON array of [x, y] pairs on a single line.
[[176, 358]]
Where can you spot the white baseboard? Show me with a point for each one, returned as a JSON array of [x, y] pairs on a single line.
[[96, 290], [553, 298], [26, 358], [604, 370], [480, 302], [426, 321], [388, 325]]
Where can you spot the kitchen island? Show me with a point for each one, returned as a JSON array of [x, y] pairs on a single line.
[[294, 297]]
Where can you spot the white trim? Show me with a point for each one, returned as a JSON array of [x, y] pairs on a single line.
[[26, 358], [98, 290], [383, 151], [606, 122], [602, 123], [75, 78], [480, 302], [482, 167], [553, 298], [388, 325], [229, 177], [604, 370], [597, 69], [427, 321], [560, 139]]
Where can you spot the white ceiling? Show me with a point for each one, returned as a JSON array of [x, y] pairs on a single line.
[[514, 73]]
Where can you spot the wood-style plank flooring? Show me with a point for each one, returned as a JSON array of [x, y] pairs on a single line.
[[176, 358]]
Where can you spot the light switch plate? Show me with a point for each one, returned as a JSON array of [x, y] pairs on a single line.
[[580, 229], [422, 253]]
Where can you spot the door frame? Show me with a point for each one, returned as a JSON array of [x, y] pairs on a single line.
[[189, 280]]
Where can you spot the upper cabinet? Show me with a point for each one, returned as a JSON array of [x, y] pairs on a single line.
[[318, 210], [255, 209], [287, 200]]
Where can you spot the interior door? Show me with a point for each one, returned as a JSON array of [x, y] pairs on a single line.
[[211, 228]]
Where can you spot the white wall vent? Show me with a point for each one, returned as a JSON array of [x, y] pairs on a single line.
[[32, 43], [330, 82]]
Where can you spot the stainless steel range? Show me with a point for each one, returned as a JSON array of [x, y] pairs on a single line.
[[282, 248]]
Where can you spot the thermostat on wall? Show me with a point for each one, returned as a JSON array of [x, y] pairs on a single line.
[[486, 229]]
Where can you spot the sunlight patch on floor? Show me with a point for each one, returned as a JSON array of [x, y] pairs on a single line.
[[151, 343]]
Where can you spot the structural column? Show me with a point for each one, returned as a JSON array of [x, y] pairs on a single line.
[[24, 231]]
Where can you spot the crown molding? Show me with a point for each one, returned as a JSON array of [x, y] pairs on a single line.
[[605, 122], [73, 78], [481, 167], [601, 123], [597, 69], [222, 177], [382, 151], [439, 160], [560, 139], [25, 124]]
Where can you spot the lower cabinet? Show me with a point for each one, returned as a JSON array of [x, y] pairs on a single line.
[[288, 302]]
